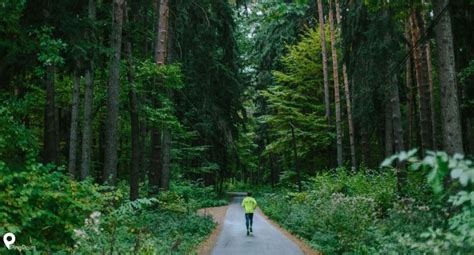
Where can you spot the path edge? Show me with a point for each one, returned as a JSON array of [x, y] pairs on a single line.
[[206, 246], [301, 243]]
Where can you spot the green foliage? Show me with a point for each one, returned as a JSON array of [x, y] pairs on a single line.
[[17, 143], [361, 213], [139, 227], [297, 99], [50, 49], [458, 236], [195, 195], [45, 209], [41, 206], [165, 76], [10, 13], [337, 211]]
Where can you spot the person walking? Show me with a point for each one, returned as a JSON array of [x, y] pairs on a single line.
[[249, 204]]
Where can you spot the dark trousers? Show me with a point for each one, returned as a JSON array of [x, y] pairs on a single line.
[[249, 220]]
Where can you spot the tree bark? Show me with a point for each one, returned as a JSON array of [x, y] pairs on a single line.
[[50, 142], [397, 131], [336, 87], [76, 90], [322, 34], [432, 99], [388, 129], [87, 124], [419, 53], [409, 95], [452, 132], [113, 92], [164, 56], [134, 118], [88, 103], [154, 170]]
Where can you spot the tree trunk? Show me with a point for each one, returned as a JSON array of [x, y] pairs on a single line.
[[397, 131], [469, 136], [76, 91], [50, 142], [87, 124], [419, 53], [154, 176], [165, 171], [452, 132], [134, 118], [295, 155], [164, 56], [161, 50], [322, 34], [336, 86], [88, 101], [432, 99], [410, 98], [388, 129], [113, 91]]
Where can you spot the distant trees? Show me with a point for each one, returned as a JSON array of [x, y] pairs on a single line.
[[110, 116], [391, 108], [198, 94]]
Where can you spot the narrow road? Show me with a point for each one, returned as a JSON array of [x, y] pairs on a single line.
[[266, 239]]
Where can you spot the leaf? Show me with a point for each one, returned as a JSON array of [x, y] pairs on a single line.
[[464, 179], [456, 173], [388, 161]]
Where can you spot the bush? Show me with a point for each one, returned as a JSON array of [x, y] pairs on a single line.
[[41, 206], [195, 195], [342, 212], [48, 211], [141, 227]]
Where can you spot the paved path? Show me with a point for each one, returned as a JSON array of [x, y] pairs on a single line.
[[266, 239]]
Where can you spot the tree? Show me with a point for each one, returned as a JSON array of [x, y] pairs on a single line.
[[134, 117], [88, 99], [76, 91], [113, 91], [421, 70], [154, 172], [163, 44], [336, 86], [409, 85], [452, 132], [322, 34]]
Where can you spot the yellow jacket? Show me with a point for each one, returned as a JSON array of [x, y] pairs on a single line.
[[249, 204]]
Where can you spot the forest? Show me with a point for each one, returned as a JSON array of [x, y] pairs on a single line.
[[351, 121]]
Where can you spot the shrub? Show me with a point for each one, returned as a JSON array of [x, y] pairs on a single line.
[[41, 206], [140, 227], [195, 195]]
